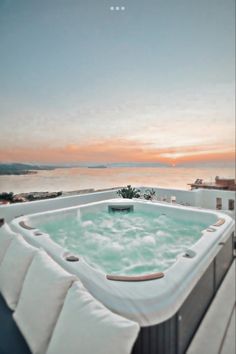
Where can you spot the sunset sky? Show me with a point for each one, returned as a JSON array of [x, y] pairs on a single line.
[[82, 83]]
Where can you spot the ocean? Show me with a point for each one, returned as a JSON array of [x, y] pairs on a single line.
[[71, 179]]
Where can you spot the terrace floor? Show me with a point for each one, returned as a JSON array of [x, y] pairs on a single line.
[[216, 334]]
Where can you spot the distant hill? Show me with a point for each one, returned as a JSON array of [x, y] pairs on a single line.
[[27, 168], [138, 164], [21, 169], [119, 164]]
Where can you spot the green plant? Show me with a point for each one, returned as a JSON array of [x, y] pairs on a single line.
[[149, 194], [7, 196], [129, 192]]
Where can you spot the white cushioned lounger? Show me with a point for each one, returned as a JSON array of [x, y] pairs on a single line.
[[86, 326], [6, 236], [42, 297], [13, 269], [53, 311]]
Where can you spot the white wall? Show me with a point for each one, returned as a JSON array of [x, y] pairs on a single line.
[[209, 198], [10, 211], [182, 196], [203, 198]]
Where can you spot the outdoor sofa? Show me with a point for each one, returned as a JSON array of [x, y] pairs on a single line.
[[46, 310]]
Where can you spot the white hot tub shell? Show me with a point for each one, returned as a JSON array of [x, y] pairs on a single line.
[[149, 299]]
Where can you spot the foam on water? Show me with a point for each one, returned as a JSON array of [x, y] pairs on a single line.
[[129, 244]]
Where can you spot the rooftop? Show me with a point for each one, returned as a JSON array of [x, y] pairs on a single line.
[[219, 183]]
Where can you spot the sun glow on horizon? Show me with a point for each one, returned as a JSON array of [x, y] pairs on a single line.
[[120, 150]]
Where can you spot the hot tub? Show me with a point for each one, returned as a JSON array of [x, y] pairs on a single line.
[[169, 299]]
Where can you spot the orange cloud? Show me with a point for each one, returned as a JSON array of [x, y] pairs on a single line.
[[119, 150]]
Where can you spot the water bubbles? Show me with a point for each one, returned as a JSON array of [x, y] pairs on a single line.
[[161, 220], [149, 240], [78, 215], [87, 223], [133, 244], [161, 233]]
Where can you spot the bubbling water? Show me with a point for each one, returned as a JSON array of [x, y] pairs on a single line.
[[129, 244]]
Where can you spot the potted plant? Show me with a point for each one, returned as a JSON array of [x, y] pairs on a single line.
[[149, 194], [129, 192]]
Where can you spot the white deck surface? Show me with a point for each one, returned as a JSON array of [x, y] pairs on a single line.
[[229, 342], [216, 334]]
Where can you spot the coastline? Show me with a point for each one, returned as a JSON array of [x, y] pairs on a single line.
[[76, 179], [11, 198], [18, 173]]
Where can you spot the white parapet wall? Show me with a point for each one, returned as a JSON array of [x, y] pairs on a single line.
[[11, 211], [200, 198], [181, 196], [208, 198]]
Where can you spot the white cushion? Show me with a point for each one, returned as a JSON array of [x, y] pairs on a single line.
[[13, 269], [6, 236], [41, 300], [85, 326]]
